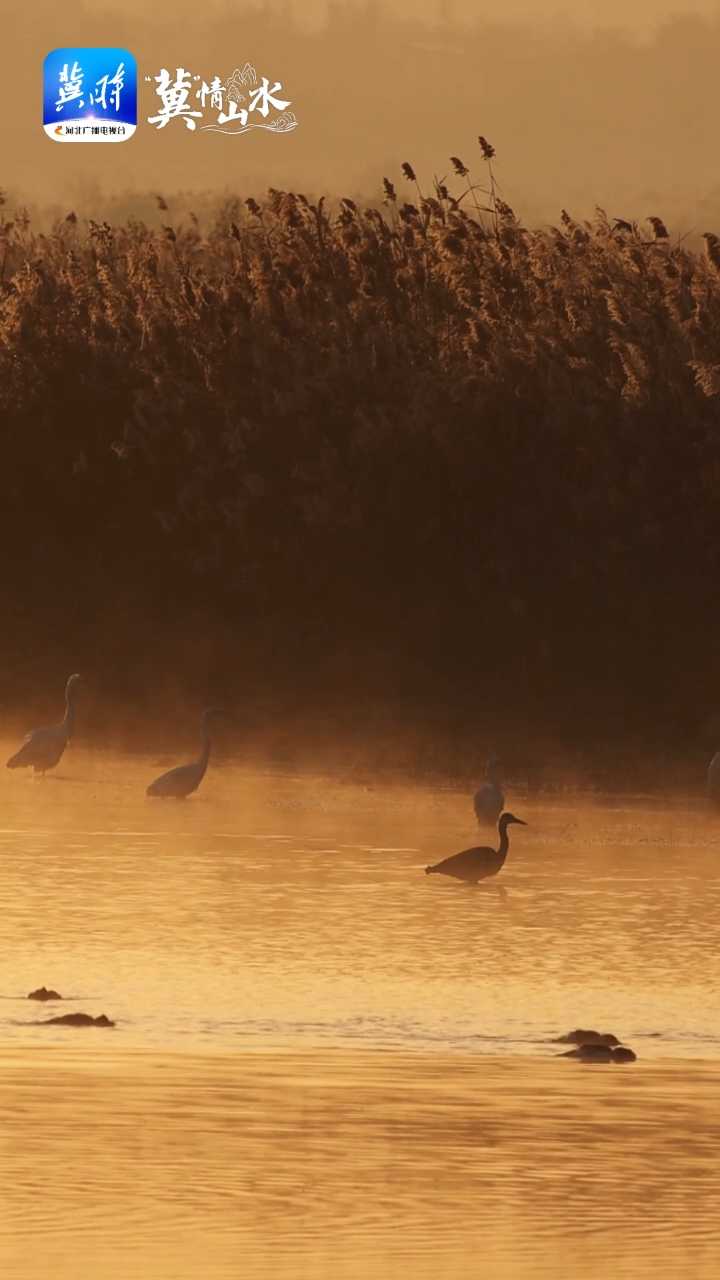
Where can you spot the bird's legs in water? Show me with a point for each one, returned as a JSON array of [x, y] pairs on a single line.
[[499, 889]]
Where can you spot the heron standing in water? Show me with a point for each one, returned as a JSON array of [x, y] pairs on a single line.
[[178, 783], [476, 864], [43, 748], [489, 799]]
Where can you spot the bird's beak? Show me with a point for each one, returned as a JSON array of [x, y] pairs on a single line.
[[520, 822]]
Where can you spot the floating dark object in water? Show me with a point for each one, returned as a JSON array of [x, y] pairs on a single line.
[[601, 1053], [44, 993], [622, 1054], [588, 1037], [591, 1053], [77, 1020]]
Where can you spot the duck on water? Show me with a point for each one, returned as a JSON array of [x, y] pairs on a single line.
[[43, 748], [180, 782], [478, 863]]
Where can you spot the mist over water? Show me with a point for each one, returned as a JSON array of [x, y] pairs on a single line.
[[381, 517], [598, 105], [263, 946], [278, 909]]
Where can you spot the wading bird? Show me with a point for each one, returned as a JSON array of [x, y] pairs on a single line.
[[489, 799], [43, 747], [473, 865], [178, 783]]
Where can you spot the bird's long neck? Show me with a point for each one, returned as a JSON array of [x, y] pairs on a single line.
[[204, 756], [504, 840], [68, 723]]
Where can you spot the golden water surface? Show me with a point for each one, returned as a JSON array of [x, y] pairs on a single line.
[[326, 1063]]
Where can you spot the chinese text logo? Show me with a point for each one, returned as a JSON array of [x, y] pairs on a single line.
[[240, 103], [89, 95]]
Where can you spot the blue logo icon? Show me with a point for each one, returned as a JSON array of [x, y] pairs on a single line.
[[89, 95]]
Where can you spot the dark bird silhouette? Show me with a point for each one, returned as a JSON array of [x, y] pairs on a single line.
[[474, 865], [178, 783], [488, 800], [659, 228], [43, 748]]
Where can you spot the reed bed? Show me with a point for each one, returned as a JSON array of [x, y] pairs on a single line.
[[413, 445]]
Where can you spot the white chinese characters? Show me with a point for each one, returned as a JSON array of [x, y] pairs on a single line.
[[70, 88], [89, 94], [174, 96], [115, 83], [235, 101]]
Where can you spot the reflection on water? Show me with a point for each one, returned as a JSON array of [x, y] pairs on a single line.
[[356, 1164], [264, 945]]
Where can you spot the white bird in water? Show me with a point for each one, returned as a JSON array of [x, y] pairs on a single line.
[[178, 783], [489, 799], [43, 748], [473, 865]]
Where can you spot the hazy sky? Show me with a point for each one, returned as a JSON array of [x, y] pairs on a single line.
[[599, 102]]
